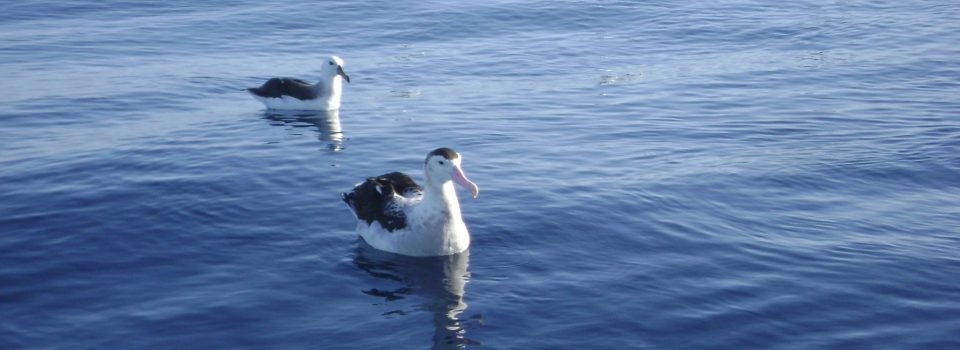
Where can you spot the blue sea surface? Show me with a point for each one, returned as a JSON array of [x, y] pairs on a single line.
[[653, 175]]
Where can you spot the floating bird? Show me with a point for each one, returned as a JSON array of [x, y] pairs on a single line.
[[397, 215], [296, 94]]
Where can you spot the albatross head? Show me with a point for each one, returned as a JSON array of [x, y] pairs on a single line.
[[333, 66], [442, 165]]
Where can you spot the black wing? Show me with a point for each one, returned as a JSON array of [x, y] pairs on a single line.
[[277, 87], [372, 199]]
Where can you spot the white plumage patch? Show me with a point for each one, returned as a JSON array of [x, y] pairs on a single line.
[[292, 103]]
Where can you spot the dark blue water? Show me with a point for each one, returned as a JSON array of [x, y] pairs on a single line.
[[722, 174]]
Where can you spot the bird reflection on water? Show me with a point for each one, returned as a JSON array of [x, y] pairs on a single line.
[[436, 281], [327, 123]]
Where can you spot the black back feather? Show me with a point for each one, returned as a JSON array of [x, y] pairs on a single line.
[[372, 199], [276, 87]]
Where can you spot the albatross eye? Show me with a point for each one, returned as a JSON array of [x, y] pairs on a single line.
[[441, 162], [331, 63]]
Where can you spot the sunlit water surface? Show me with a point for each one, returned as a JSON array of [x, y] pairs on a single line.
[[726, 174]]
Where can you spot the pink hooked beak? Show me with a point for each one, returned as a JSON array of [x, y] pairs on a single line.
[[462, 179]]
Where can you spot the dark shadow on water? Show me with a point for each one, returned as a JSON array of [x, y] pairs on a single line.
[[327, 123], [438, 281]]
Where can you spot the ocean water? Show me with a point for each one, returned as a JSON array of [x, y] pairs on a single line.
[[706, 174]]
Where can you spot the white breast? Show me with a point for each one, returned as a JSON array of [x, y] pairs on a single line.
[[291, 103]]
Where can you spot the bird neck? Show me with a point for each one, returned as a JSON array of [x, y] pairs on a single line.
[[334, 82], [329, 89], [442, 196]]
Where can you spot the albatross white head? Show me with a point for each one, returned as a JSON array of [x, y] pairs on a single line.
[[330, 87], [443, 166], [333, 68]]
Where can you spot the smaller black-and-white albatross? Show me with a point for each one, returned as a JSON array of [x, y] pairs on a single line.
[[397, 215], [296, 94]]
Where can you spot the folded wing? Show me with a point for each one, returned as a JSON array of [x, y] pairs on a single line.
[[378, 199], [277, 87]]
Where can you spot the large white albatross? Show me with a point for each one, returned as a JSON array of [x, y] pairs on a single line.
[[397, 215], [296, 94]]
